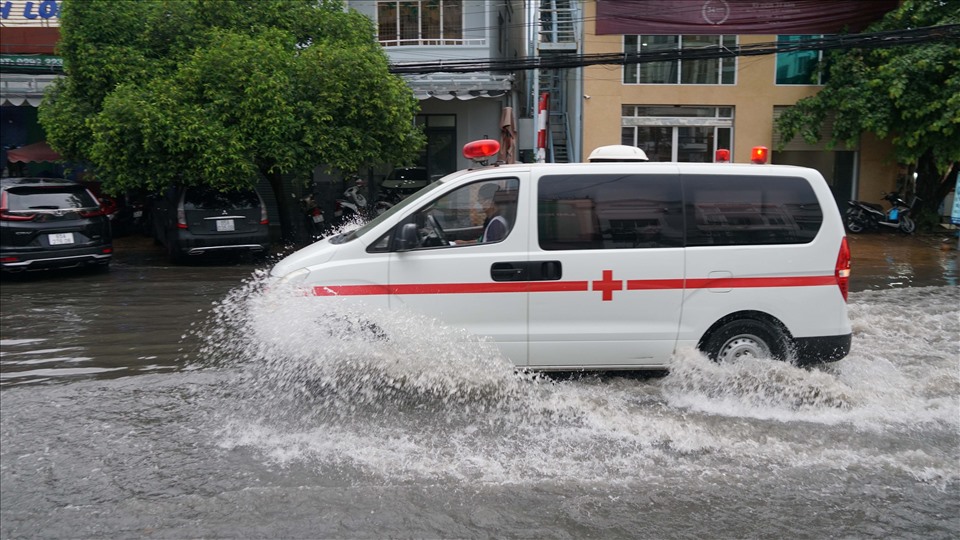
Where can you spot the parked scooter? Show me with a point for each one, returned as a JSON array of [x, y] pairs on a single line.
[[862, 216], [354, 203]]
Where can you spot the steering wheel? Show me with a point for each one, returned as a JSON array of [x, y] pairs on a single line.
[[438, 230]]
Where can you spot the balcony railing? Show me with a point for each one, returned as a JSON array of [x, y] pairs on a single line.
[[557, 28], [434, 42]]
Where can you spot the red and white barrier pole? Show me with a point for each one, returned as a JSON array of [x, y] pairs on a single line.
[[542, 128]]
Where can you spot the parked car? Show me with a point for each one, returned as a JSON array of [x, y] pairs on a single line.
[[125, 211], [51, 223], [192, 221]]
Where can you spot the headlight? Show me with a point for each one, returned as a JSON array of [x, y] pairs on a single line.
[[295, 277]]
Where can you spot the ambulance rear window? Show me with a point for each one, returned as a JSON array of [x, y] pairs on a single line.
[[633, 211], [750, 210]]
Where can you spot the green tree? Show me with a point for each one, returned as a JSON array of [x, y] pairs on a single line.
[[909, 93], [219, 92]]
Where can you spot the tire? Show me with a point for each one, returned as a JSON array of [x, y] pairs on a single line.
[[907, 225], [745, 338], [173, 251], [853, 222]]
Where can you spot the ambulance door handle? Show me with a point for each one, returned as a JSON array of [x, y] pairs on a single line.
[[548, 271], [526, 271], [507, 271]]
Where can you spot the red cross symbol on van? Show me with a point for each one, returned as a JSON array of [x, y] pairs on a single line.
[[607, 285]]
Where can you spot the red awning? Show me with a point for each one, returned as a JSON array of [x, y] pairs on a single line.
[[36, 152]]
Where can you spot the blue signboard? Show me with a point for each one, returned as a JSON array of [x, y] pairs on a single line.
[[31, 10]]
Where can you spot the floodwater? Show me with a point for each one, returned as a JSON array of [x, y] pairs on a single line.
[[185, 402]]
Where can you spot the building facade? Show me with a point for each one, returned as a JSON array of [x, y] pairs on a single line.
[[685, 110], [454, 107], [28, 65], [676, 110]]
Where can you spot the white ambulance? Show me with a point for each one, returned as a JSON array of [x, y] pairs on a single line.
[[606, 265]]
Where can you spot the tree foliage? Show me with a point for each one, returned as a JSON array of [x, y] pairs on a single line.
[[217, 92], [909, 94]]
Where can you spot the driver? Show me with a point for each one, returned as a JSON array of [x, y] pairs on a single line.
[[495, 226]]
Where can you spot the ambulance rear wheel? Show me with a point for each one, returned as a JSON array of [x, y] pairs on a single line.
[[745, 338]]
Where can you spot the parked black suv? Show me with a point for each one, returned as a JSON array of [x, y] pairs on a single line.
[[51, 223], [192, 220]]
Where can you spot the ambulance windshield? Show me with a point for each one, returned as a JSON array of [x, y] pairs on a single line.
[[357, 233]]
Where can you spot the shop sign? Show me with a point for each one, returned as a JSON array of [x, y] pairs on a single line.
[[737, 16], [39, 61], [30, 12]]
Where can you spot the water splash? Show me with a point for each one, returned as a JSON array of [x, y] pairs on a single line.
[[402, 397], [305, 358], [761, 386]]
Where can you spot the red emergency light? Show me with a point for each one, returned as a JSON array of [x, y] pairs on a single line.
[[722, 156], [481, 150], [759, 155]]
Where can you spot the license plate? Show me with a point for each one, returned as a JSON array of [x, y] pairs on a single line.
[[225, 225], [138, 213], [318, 218], [59, 239]]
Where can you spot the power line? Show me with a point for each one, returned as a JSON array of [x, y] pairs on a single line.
[[871, 40]]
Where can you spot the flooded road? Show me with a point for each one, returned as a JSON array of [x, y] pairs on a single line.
[[175, 402]]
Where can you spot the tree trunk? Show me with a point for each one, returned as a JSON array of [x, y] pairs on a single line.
[[928, 183], [281, 190]]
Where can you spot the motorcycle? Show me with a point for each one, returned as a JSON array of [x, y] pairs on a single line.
[[314, 217], [862, 216], [354, 203]]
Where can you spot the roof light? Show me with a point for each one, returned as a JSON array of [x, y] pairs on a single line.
[[616, 153], [479, 151], [722, 156], [759, 155]]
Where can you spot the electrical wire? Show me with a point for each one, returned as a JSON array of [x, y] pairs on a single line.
[[871, 40]]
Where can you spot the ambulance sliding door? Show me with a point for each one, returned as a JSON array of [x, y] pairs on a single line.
[[617, 239]]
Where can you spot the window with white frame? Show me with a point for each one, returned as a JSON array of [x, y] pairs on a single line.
[[799, 67], [683, 134], [420, 22], [699, 71]]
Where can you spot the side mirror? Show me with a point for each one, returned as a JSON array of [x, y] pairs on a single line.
[[406, 238]]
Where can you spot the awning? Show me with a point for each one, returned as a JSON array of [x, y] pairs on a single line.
[[36, 152], [461, 86], [508, 136], [21, 89]]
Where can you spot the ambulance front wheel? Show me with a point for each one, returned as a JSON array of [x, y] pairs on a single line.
[[744, 338]]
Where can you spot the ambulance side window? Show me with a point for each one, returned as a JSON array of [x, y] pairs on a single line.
[[609, 211], [750, 210], [479, 212]]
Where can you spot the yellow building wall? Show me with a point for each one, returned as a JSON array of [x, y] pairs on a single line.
[[753, 98]]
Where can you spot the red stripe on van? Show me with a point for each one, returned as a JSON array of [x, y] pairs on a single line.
[[570, 286], [451, 288], [649, 284], [744, 283]]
